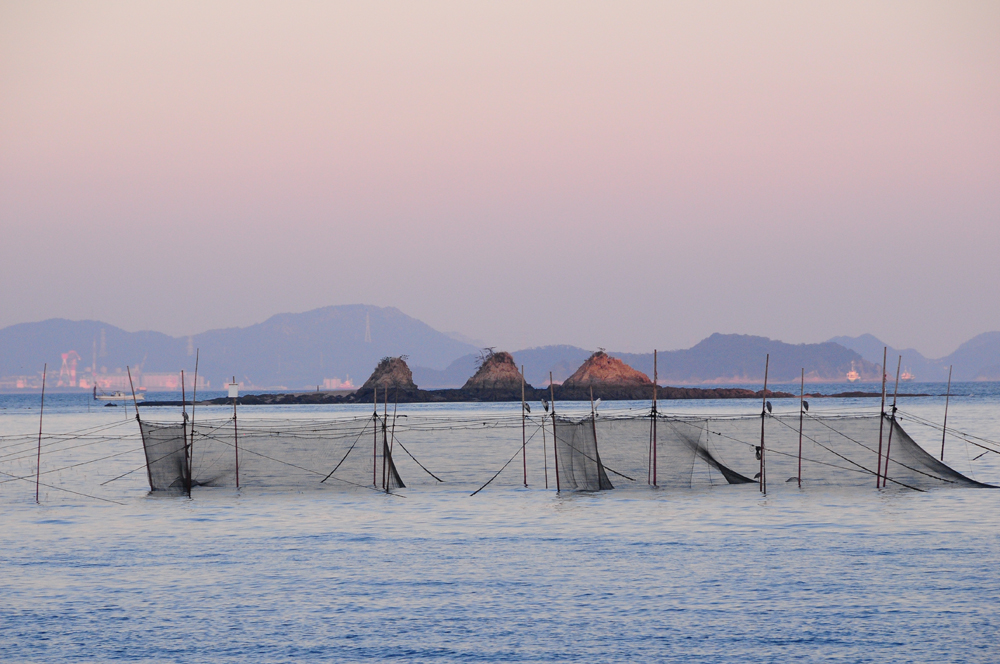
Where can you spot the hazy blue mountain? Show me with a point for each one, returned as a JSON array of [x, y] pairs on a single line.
[[739, 358], [976, 359], [297, 350], [291, 350], [870, 347], [721, 358], [26, 347]]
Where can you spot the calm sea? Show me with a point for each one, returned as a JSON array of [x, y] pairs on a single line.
[[712, 574]]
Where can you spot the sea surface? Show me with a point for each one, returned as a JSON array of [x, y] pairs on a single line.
[[719, 573]]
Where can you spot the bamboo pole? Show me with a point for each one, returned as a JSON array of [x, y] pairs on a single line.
[[545, 454], [892, 423], [655, 378], [763, 412], [41, 413], [392, 433], [194, 400], [944, 428], [184, 430], [881, 422], [375, 436], [142, 435], [385, 432], [555, 445], [236, 441], [524, 438], [802, 412]]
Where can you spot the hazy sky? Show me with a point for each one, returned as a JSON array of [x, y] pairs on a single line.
[[617, 174]]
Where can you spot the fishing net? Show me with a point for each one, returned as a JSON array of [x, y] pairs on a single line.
[[578, 462], [836, 451], [345, 454]]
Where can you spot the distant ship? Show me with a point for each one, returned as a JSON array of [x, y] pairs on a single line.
[[853, 376], [906, 376], [116, 396]]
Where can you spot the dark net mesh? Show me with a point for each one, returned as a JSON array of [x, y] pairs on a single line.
[[579, 464], [836, 451], [677, 459], [593, 454], [342, 454], [166, 456]]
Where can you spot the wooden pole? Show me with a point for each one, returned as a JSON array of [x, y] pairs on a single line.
[[802, 412], [892, 423], [184, 430], [385, 432], [524, 435], [655, 378], [236, 441], [375, 436], [763, 413], [545, 454], [555, 445], [194, 401], [41, 412], [142, 435], [392, 434], [881, 422], [944, 429]]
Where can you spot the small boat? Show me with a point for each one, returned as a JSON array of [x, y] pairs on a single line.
[[906, 376], [117, 396], [853, 376]]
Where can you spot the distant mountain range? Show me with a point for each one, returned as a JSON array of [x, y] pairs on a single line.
[[285, 351], [328, 346], [976, 359]]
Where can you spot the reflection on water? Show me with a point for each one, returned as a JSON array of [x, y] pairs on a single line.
[[717, 573]]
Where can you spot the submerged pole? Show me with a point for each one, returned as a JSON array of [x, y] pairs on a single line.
[[555, 445], [524, 439], [881, 422], [892, 423], [763, 412], [142, 435], [944, 428], [236, 440], [194, 400], [545, 454], [802, 412], [385, 447], [184, 431], [41, 413], [655, 376]]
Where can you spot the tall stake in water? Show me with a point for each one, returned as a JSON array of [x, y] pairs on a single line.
[[944, 428], [375, 436], [385, 433], [802, 400], [763, 413], [555, 446], [655, 377], [892, 423], [234, 393], [41, 412], [142, 435], [184, 415], [194, 400], [545, 452], [881, 422], [524, 439]]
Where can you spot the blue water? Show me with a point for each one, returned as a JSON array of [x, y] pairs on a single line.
[[716, 574]]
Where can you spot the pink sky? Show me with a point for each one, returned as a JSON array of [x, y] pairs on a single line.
[[626, 175]]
